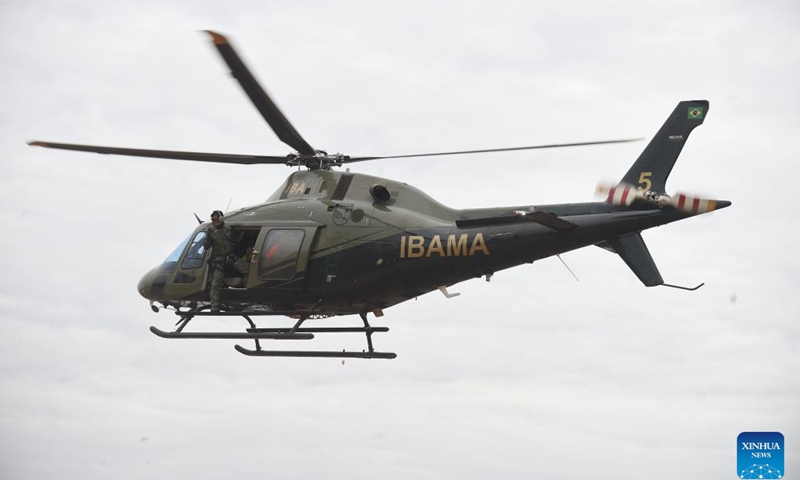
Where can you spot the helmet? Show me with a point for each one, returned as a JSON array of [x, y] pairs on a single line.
[[217, 213]]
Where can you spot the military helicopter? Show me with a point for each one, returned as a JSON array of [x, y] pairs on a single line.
[[330, 243]]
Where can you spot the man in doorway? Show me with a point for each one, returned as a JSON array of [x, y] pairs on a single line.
[[219, 238], [242, 265]]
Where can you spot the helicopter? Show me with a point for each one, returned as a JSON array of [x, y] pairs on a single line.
[[330, 243]]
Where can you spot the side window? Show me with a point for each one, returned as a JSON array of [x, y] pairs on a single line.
[[278, 256], [195, 255]]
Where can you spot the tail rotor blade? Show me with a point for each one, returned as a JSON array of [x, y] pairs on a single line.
[[695, 205], [622, 194], [625, 194]]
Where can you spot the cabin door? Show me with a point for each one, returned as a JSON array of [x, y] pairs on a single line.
[[280, 257]]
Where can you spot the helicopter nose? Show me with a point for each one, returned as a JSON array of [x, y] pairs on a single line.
[[151, 285], [144, 285]]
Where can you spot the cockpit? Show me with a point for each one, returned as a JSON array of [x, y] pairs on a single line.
[[263, 255]]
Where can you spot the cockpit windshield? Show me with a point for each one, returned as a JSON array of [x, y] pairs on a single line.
[[173, 257], [195, 255]]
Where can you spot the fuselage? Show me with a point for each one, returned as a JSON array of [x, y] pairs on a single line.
[[347, 243]]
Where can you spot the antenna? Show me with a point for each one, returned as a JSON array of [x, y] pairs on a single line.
[[570, 270], [228, 208]]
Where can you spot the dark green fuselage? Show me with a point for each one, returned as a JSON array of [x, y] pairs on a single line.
[[353, 253]]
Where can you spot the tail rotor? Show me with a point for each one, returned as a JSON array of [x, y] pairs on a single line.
[[626, 195]]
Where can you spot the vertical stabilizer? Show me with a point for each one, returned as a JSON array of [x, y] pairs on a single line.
[[651, 169]]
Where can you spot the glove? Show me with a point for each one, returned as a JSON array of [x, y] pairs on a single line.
[[230, 260]]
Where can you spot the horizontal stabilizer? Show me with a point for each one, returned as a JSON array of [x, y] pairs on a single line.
[[632, 249], [549, 220], [487, 221], [605, 246]]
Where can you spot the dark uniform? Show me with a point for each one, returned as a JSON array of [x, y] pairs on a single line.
[[220, 239]]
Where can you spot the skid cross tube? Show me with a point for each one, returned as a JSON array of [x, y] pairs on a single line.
[[368, 331], [252, 326]]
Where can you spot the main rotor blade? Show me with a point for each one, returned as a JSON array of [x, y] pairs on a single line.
[[279, 123], [465, 152], [172, 154]]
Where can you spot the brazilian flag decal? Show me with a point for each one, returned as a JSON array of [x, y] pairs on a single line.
[[695, 113]]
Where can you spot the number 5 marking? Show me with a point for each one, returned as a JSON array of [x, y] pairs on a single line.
[[644, 181]]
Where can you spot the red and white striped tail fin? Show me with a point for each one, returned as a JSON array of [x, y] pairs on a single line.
[[693, 204], [621, 194]]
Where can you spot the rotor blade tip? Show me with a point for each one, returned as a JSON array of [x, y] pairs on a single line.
[[217, 38], [36, 143]]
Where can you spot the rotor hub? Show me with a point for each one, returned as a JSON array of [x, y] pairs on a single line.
[[321, 160]]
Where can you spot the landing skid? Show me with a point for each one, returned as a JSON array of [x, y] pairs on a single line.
[[232, 335], [317, 354], [296, 332]]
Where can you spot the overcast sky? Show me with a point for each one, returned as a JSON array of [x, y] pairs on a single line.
[[531, 375]]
